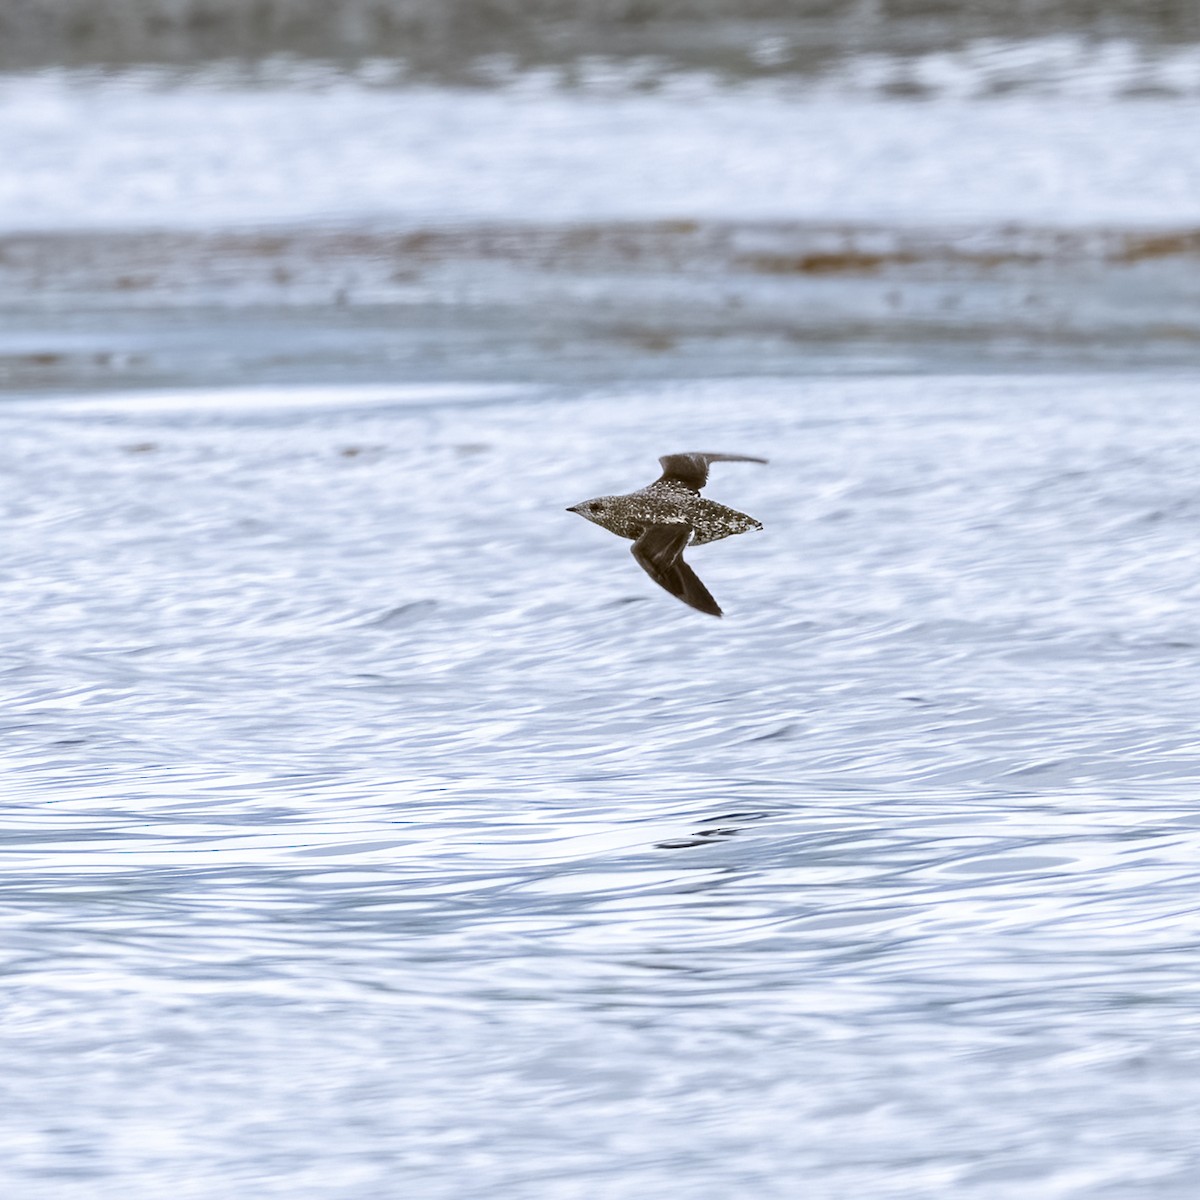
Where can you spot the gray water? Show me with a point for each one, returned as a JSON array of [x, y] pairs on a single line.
[[375, 828]]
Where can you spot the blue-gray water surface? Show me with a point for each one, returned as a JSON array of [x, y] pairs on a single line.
[[375, 828]]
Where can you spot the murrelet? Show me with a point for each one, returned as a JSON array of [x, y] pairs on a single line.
[[669, 515]]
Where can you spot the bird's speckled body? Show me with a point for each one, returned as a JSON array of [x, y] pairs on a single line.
[[662, 503], [669, 515]]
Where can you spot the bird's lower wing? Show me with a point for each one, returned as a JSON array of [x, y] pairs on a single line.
[[659, 552]]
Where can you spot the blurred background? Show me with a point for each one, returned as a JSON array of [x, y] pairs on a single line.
[[566, 189], [372, 827]]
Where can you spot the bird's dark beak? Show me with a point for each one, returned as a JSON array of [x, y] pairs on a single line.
[[573, 508]]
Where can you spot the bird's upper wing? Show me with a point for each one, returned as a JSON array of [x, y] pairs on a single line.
[[692, 469], [659, 552]]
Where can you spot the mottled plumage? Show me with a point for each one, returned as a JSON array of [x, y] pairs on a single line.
[[669, 515]]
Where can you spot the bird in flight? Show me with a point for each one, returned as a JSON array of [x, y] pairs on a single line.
[[669, 515]]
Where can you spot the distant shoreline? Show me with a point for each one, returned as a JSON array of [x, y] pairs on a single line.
[[462, 40]]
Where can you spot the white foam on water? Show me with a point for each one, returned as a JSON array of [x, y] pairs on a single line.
[[136, 152]]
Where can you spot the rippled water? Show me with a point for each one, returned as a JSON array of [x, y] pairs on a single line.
[[373, 827]]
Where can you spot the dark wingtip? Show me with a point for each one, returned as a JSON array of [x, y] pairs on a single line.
[[698, 603]]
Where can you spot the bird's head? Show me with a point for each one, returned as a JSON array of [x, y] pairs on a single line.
[[599, 511]]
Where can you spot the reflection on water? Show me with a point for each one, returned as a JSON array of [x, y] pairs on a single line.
[[369, 830]]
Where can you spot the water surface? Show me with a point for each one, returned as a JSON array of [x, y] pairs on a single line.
[[374, 827]]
